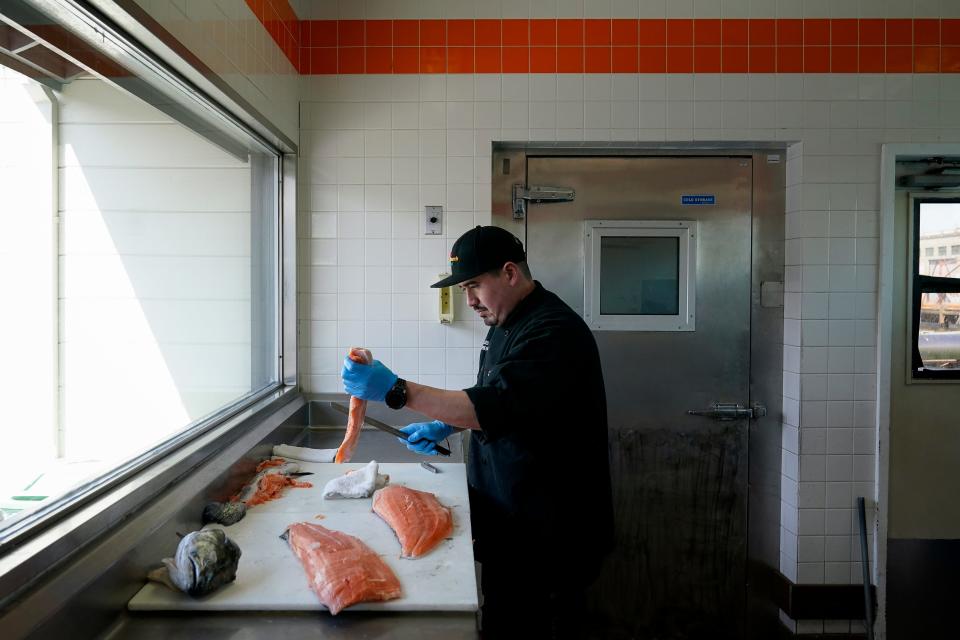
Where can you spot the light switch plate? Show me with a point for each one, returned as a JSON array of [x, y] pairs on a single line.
[[433, 220]]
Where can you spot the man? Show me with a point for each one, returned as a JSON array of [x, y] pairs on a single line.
[[537, 465]]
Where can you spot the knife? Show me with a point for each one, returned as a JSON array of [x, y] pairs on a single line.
[[383, 426]]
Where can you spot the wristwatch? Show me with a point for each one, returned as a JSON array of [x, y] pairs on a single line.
[[397, 395]]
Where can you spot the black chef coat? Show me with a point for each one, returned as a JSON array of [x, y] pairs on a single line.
[[538, 470]]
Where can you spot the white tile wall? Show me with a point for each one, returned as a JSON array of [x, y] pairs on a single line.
[[228, 38], [408, 9], [376, 149], [441, 127]]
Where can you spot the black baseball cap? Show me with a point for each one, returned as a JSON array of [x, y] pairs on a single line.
[[480, 250]]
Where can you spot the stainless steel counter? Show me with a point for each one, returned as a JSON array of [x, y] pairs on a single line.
[[323, 429], [88, 596], [247, 626], [374, 445]]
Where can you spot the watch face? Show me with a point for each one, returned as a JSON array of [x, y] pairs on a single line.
[[397, 396]]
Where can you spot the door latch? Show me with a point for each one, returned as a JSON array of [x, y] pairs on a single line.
[[724, 411], [521, 194]]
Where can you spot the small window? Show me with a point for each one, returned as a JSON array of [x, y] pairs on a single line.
[[639, 275], [929, 251], [936, 291], [650, 289]]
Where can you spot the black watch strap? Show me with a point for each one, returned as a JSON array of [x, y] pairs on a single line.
[[397, 395]]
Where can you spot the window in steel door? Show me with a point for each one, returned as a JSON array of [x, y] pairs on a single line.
[[639, 275]]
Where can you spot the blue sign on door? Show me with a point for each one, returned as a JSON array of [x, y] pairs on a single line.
[[698, 199]]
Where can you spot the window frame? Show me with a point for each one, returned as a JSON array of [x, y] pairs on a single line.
[[919, 285], [47, 537], [686, 233]]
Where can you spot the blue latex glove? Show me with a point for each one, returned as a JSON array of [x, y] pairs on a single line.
[[422, 437], [367, 381]]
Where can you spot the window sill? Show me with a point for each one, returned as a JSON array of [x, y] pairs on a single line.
[[47, 540]]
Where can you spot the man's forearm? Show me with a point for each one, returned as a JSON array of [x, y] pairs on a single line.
[[452, 407]]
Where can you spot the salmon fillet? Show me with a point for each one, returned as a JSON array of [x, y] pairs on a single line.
[[358, 410], [417, 517], [342, 570]]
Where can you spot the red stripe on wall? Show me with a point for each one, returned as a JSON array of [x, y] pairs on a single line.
[[281, 22], [675, 45]]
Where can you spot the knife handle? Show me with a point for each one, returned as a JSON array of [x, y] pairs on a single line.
[[439, 448]]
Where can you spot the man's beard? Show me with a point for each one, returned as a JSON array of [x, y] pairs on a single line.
[[487, 319]]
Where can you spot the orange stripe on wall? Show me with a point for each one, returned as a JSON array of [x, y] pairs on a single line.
[[281, 22], [675, 45]]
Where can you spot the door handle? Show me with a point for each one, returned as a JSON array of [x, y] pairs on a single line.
[[724, 411]]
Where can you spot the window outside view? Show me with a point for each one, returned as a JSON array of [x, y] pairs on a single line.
[[137, 273], [939, 257]]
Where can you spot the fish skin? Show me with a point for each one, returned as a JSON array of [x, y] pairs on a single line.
[[205, 560], [358, 410], [225, 513], [233, 511]]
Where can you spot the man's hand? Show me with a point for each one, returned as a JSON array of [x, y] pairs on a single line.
[[422, 437], [367, 381]]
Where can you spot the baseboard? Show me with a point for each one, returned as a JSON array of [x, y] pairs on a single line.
[[787, 634], [811, 601]]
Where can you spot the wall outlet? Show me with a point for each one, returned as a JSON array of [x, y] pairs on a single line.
[[433, 220]]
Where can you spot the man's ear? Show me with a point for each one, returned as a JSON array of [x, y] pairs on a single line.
[[512, 271]]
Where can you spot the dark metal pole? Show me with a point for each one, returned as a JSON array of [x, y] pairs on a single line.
[[865, 563]]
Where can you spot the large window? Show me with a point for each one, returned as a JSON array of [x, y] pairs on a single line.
[[936, 289], [138, 272]]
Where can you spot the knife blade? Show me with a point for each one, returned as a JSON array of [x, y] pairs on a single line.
[[383, 426]]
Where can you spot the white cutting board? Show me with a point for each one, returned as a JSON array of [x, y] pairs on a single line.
[[270, 578]]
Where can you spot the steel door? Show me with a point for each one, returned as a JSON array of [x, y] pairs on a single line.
[[680, 481]]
